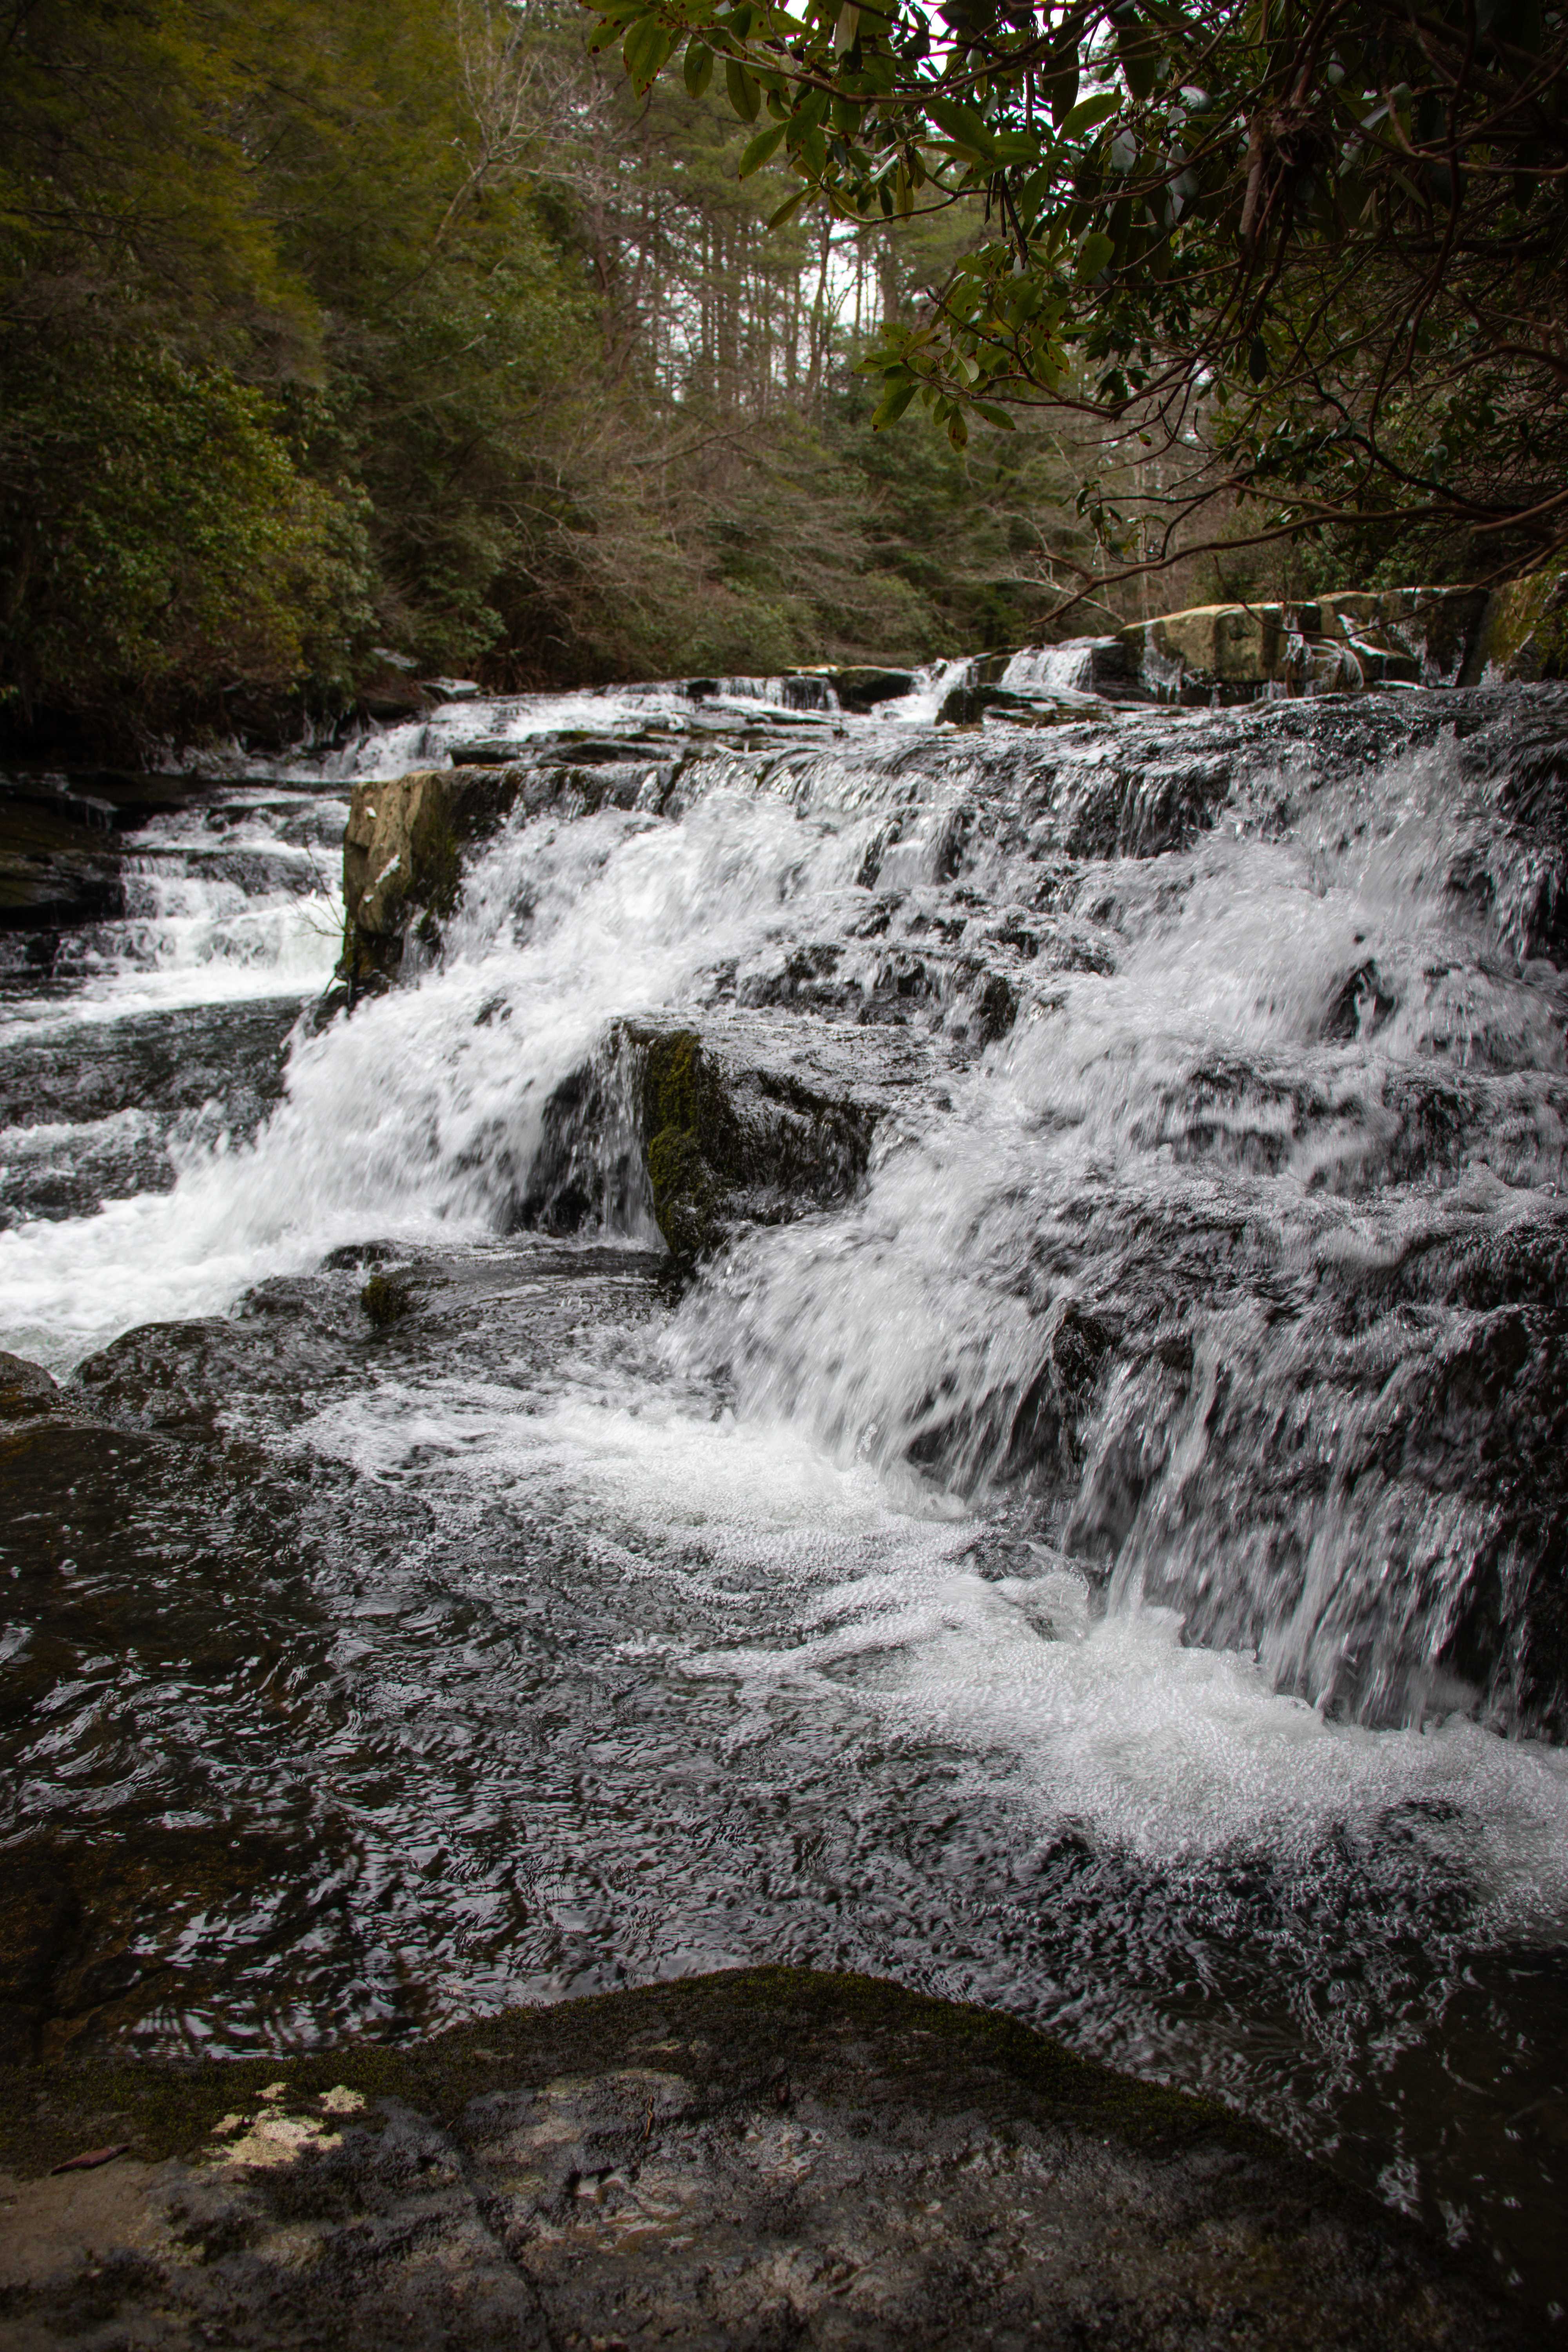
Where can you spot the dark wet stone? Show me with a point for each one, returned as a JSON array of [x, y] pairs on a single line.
[[767, 2157], [59, 866], [26, 1390], [352, 1254], [865, 687], [962, 706], [59, 846], [730, 1140], [385, 1299], [394, 700]]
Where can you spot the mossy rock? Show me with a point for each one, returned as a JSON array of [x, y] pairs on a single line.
[[694, 1150], [385, 1299], [769, 2156], [403, 859], [1525, 633], [729, 1142]]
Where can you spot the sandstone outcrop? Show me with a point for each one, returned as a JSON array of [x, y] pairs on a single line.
[[1356, 638]]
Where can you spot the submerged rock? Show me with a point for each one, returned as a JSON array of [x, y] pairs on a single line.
[[763, 2157]]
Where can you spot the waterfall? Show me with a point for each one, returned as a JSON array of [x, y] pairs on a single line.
[[1067, 668], [1279, 1049], [1088, 1535]]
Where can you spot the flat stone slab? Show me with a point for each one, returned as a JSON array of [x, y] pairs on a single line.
[[764, 2159]]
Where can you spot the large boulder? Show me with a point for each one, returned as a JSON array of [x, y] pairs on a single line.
[[730, 1140], [1231, 649], [26, 1390], [402, 851], [766, 2157], [1524, 633], [1429, 629], [863, 686]]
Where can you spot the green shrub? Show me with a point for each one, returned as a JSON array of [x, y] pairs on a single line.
[[157, 541]]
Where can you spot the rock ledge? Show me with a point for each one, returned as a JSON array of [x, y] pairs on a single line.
[[767, 2157]]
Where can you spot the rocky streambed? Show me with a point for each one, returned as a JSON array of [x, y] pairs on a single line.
[[845, 1339]]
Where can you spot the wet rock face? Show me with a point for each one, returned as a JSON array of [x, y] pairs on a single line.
[[1330, 645], [731, 1147], [62, 848], [988, 881], [865, 686], [402, 859], [1525, 634], [58, 862], [766, 2157], [27, 1391]]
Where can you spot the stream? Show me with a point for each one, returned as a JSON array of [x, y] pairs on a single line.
[[1102, 1554]]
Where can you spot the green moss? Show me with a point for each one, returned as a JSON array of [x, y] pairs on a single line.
[[1527, 629], [438, 872], [694, 1152], [386, 1300]]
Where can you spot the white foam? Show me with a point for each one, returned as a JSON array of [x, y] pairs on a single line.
[[1173, 1753], [420, 1118]]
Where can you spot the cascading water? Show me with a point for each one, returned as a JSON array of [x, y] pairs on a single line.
[[1065, 668], [154, 1038], [1110, 1564]]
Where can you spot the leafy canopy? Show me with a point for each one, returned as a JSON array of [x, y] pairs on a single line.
[[1310, 253]]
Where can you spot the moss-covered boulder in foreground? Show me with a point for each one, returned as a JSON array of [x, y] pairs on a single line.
[[765, 2158]]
